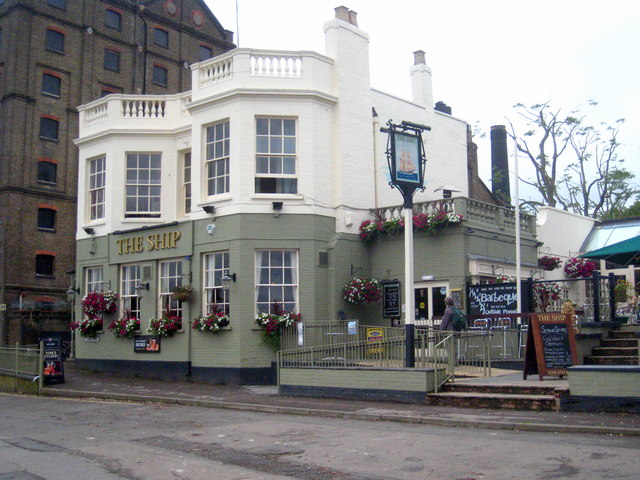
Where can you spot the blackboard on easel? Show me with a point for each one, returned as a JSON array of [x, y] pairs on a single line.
[[551, 345]]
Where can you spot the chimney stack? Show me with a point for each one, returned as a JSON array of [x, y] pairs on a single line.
[[346, 15], [500, 164]]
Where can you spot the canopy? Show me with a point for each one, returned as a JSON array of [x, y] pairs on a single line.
[[623, 253]]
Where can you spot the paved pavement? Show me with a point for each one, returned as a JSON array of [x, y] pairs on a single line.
[[82, 383]]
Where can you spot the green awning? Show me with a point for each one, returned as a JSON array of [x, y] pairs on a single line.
[[624, 253]]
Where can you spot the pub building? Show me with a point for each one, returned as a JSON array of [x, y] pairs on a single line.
[[252, 187]]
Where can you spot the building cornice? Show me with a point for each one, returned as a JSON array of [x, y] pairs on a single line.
[[313, 95]]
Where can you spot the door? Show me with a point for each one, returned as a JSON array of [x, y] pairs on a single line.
[[429, 298]]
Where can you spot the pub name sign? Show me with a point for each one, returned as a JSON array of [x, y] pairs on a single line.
[[148, 243]]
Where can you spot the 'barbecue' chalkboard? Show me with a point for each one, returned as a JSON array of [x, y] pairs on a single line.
[[551, 345]]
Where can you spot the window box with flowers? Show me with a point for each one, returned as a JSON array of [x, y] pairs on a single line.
[[95, 304], [272, 324], [579, 268], [183, 293], [164, 326], [126, 326], [429, 224], [545, 293], [211, 323], [89, 327], [362, 290], [549, 263]]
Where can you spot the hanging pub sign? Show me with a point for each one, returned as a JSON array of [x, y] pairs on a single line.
[[391, 298], [551, 345], [405, 157]]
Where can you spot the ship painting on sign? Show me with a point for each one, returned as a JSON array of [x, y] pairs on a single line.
[[407, 158]]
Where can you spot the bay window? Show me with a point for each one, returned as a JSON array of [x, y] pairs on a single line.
[[276, 155], [276, 280]]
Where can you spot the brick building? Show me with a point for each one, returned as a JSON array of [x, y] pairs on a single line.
[[54, 56]]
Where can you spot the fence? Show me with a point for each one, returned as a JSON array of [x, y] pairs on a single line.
[[22, 364], [447, 353]]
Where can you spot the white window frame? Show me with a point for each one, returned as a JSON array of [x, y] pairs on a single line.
[[217, 157], [276, 152], [142, 187], [168, 281], [187, 176], [215, 266], [97, 187], [130, 276], [275, 289], [94, 279]]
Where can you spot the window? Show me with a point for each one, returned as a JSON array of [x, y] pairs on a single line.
[[276, 155], [187, 183], [54, 41], [44, 264], [170, 278], [216, 298], [205, 53], [129, 295], [111, 60], [277, 279], [217, 159], [94, 277], [97, 182], [161, 37], [47, 172], [49, 128], [51, 85], [160, 75], [61, 4], [143, 185], [112, 19], [46, 219], [107, 91]]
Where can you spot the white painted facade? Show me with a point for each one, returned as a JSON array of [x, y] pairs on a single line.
[[341, 166]]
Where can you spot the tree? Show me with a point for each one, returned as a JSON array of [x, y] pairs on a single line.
[[632, 210], [576, 165]]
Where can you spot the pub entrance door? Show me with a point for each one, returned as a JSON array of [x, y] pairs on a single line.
[[429, 298]]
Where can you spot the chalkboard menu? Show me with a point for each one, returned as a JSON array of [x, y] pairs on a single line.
[[492, 298], [391, 298], [551, 345]]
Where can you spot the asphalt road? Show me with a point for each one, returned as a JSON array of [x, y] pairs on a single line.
[[63, 439]]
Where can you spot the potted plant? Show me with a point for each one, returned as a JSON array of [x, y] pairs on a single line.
[[183, 293], [623, 291], [273, 323], [126, 326], [546, 292], [164, 326], [212, 322], [94, 304], [549, 263], [361, 290], [89, 327]]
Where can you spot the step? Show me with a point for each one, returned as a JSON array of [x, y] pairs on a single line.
[[622, 334], [611, 360], [619, 342], [614, 351], [497, 389], [493, 400]]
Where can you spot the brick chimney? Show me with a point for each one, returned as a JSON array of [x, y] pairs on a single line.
[[421, 85], [500, 164], [346, 15]]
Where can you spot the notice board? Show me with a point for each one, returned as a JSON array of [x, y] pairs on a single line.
[[391, 299], [551, 345]]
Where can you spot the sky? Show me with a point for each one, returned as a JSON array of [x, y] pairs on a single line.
[[485, 56]]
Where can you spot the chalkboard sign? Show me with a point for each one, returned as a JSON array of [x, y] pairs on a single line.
[[146, 344], [551, 345], [391, 298], [53, 367]]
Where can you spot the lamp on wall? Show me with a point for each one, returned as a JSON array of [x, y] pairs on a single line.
[[89, 230], [210, 209], [226, 280], [141, 286], [447, 190]]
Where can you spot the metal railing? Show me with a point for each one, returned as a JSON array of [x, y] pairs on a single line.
[[447, 353], [22, 363]]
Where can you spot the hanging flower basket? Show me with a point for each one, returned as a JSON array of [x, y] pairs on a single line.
[[94, 304], [164, 326], [549, 263], [183, 293], [211, 323], [429, 224], [545, 293], [362, 290], [126, 326], [579, 268], [273, 323], [88, 327]]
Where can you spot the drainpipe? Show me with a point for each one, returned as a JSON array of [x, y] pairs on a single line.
[[143, 47], [376, 129]]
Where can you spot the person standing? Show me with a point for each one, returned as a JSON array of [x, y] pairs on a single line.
[[447, 317]]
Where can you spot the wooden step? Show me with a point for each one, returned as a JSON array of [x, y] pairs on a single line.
[[619, 342], [498, 389], [626, 334], [494, 400], [611, 360], [614, 351]]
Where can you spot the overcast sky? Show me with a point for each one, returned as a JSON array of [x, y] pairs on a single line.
[[485, 56]]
